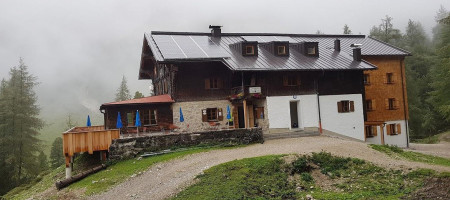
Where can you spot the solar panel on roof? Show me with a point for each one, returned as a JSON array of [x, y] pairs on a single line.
[[168, 47]]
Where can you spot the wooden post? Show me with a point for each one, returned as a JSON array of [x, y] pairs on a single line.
[[245, 114], [382, 134]]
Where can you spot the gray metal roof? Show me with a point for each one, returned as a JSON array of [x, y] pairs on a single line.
[[176, 46]]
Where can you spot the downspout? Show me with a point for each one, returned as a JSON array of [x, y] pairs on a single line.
[[404, 104], [318, 105]]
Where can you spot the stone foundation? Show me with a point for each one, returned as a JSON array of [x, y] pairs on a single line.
[[192, 113], [130, 147]]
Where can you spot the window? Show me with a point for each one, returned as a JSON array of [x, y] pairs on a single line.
[[391, 104], [369, 105], [213, 83], [259, 112], [311, 50], [366, 79], [389, 78], [149, 117], [212, 114], [345, 106], [371, 131], [249, 50], [291, 80], [393, 129], [130, 119], [281, 50]]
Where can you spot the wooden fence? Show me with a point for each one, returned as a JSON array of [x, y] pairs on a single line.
[[88, 139]]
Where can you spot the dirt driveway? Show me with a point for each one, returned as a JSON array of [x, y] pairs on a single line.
[[441, 149], [164, 180]]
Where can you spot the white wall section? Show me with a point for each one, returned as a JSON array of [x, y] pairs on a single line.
[[350, 124], [279, 112]]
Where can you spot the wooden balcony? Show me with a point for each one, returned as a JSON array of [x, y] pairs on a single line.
[[246, 92], [88, 139]]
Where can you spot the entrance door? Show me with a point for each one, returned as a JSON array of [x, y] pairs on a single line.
[[241, 117], [293, 105]]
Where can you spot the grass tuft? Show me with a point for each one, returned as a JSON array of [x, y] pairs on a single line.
[[412, 156]]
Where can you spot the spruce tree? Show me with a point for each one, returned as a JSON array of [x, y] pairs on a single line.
[[386, 32], [21, 123], [347, 30], [138, 95], [56, 153], [122, 92]]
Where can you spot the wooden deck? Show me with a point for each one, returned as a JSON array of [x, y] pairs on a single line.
[[87, 139]]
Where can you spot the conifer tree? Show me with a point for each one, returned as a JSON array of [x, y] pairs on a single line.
[[56, 153], [20, 123], [122, 92], [138, 95], [347, 30]]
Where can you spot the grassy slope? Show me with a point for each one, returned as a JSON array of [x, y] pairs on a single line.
[[412, 156], [435, 139], [101, 181], [267, 178]]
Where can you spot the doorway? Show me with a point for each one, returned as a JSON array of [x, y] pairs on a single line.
[[293, 107], [241, 119]]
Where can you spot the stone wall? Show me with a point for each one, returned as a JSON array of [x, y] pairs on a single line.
[[192, 113], [130, 147]]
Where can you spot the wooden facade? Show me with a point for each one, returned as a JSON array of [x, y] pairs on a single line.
[[380, 91], [87, 139]]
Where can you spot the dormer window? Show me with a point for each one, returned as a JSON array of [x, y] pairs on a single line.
[[249, 50], [311, 50], [281, 50]]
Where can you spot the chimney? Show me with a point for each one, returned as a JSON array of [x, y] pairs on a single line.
[[215, 30], [357, 54], [337, 45]]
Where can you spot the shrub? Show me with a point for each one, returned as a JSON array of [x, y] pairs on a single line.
[[301, 165], [329, 163], [306, 177]]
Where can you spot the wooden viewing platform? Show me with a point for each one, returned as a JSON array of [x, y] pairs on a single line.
[[86, 139]]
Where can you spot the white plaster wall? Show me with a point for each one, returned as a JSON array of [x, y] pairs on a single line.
[[278, 111], [350, 124], [375, 139], [397, 140]]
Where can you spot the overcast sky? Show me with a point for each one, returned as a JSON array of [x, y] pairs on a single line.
[[79, 50]]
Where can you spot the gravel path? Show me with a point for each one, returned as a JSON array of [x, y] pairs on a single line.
[[166, 179]]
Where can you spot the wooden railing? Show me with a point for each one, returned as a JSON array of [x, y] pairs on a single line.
[[88, 139]]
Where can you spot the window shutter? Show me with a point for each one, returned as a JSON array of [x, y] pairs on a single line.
[[374, 130], [219, 83], [374, 105], [204, 115], [352, 106], [395, 104], [387, 103], [399, 129], [388, 129], [339, 105], [285, 81], [207, 86], [220, 114], [394, 77], [368, 78], [298, 80], [386, 78]]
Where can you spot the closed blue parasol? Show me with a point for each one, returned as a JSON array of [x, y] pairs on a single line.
[[181, 116], [88, 122], [119, 121], [228, 113], [138, 119]]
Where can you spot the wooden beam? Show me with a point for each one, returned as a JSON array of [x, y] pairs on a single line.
[[245, 113]]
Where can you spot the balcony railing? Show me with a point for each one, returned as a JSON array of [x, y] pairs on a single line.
[[88, 139], [245, 92]]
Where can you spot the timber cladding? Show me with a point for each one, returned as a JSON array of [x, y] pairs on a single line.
[[385, 89]]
